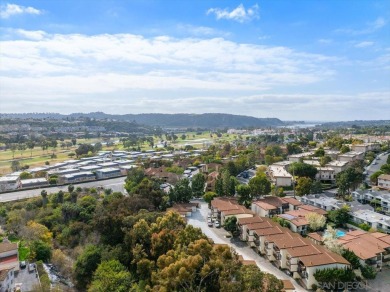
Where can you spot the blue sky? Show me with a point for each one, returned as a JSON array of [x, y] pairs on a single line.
[[295, 60]]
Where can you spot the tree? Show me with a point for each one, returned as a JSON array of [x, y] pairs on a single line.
[[320, 152], [111, 276], [97, 147], [344, 149], [40, 251], [30, 145], [86, 264], [34, 231], [244, 195], [293, 148], [209, 196], [375, 175], [304, 185], [368, 272], [331, 242], [340, 217], [385, 168], [15, 165], [70, 188], [182, 191], [348, 180], [351, 257], [335, 276], [44, 197], [230, 224], [316, 221], [316, 187], [74, 141], [260, 186], [197, 185], [25, 175], [303, 170], [325, 160]]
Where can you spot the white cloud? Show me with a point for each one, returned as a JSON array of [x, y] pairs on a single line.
[[364, 44], [325, 41], [370, 27], [121, 73], [239, 14], [9, 10]]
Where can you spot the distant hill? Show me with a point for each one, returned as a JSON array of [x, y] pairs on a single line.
[[209, 120], [356, 123]]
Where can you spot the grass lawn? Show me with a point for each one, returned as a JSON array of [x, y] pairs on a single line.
[[24, 252]]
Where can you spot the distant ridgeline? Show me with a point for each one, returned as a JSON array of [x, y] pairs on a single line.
[[209, 120], [355, 124]]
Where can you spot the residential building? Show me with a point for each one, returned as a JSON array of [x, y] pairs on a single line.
[[9, 256], [338, 166], [384, 181], [184, 209], [107, 172], [34, 182], [322, 201], [382, 199], [223, 208], [326, 174], [300, 156], [76, 177], [365, 147], [371, 248], [279, 176], [269, 206], [373, 219], [7, 280], [351, 156], [9, 183]]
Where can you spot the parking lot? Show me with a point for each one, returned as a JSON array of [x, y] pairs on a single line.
[[29, 280]]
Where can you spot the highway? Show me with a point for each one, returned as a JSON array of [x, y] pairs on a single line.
[[116, 184]]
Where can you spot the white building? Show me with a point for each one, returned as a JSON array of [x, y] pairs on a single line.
[[9, 183], [7, 280], [384, 181], [279, 175]]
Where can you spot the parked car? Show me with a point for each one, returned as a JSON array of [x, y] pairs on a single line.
[[31, 268], [217, 224], [22, 264], [210, 223]]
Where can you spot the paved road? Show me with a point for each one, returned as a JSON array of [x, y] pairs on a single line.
[[370, 169], [116, 184], [199, 219]]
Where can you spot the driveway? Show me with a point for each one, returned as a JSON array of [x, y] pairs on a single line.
[[370, 169], [28, 280], [199, 219], [381, 283]]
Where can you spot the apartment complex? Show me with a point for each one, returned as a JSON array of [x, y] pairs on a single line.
[[384, 181]]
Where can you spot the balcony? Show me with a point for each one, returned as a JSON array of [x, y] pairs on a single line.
[[302, 270], [277, 255]]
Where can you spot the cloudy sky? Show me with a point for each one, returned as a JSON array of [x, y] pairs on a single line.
[[294, 60]]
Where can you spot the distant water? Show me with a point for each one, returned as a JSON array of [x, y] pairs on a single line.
[[300, 126]]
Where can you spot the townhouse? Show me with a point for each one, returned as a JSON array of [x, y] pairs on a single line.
[[382, 199], [223, 208], [372, 249], [338, 166], [351, 156], [384, 181], [300, 156], [375, 220], [297, 256], [9, 256], [270, 206], [365, 147], [279, 175]]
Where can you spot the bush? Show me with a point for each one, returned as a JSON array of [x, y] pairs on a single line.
[[53, 181], [364, 226]]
